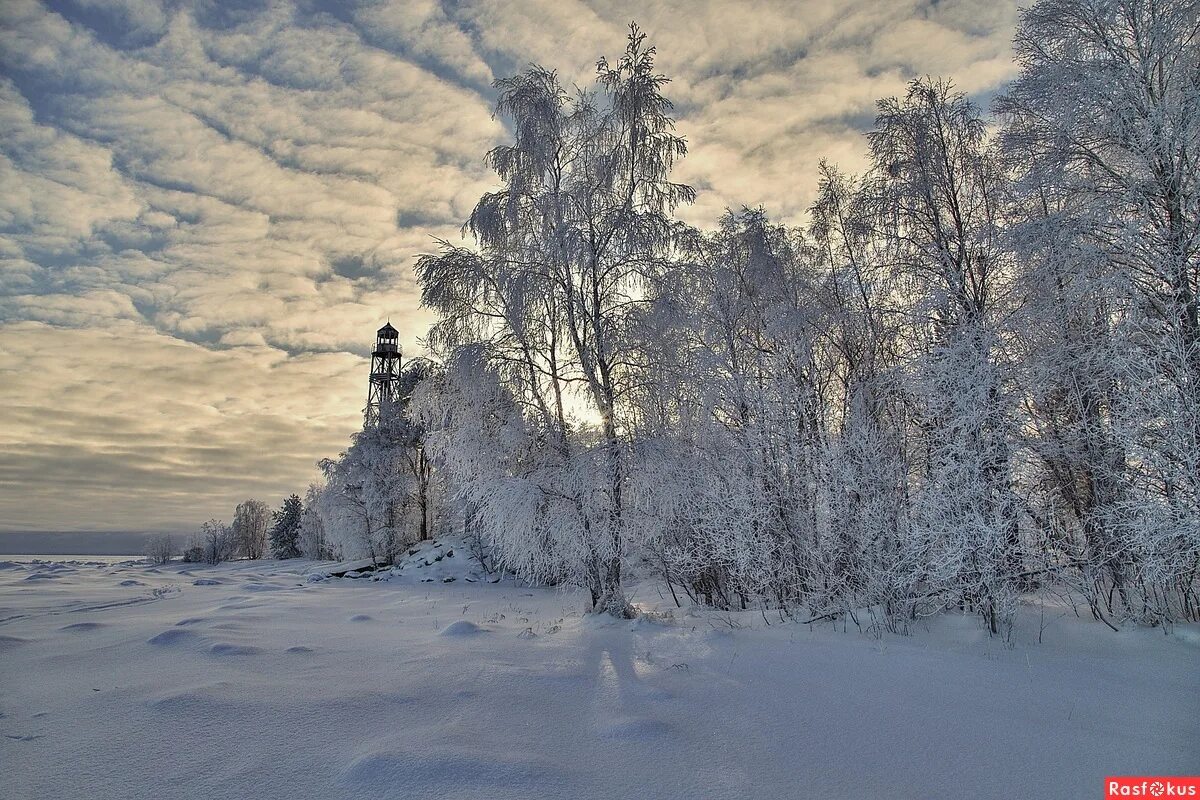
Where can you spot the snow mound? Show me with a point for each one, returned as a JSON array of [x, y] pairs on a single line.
[[46, 566], [82, 626], [226, 649], [196, 703], [172, 637], [461, 628], [43, 576], [452, 774], [258, 586], [636, 728], [444, 560], [342, 569], [1190, 634], [11, 641], [238, 606]]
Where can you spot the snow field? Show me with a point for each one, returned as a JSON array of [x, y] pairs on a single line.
[[246, 680]]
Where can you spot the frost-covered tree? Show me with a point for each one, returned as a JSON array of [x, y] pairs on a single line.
[[407, 433], [160, 549], [367, 493], [1103, 128], [513, 483], [941, 193], [729, 415], [866, 556], [251, 522], [285, 528], [217, 541], [311, 540], [561, 258], [377, 494]]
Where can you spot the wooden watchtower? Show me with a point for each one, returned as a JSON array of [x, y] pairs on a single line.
[[385, 374]]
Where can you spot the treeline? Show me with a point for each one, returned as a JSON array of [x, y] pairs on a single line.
[[972, 372], [256, 532]]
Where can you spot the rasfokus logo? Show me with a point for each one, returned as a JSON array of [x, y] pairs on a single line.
[[1151, 786]]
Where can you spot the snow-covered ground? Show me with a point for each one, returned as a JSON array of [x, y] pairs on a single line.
[[257, 680]]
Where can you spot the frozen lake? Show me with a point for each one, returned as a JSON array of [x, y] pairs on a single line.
[[27, 558]]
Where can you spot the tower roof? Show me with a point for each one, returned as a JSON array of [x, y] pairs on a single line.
[[387, 331]]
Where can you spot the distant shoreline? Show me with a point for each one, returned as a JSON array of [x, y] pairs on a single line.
[[103, 558], [75, 544]]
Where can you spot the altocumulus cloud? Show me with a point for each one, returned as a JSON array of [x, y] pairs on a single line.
[[205, 209]]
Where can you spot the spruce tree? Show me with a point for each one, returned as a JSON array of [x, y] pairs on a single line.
[[286, 529]]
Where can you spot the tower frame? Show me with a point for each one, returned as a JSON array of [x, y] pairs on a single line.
[[384, 388]]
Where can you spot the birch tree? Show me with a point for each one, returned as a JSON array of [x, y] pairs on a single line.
[[251, 522], [561, 256], [940, 199]]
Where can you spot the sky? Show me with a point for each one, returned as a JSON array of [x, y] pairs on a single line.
[[207, 208]]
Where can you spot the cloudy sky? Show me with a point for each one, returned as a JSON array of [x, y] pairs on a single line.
[[207, 208]]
